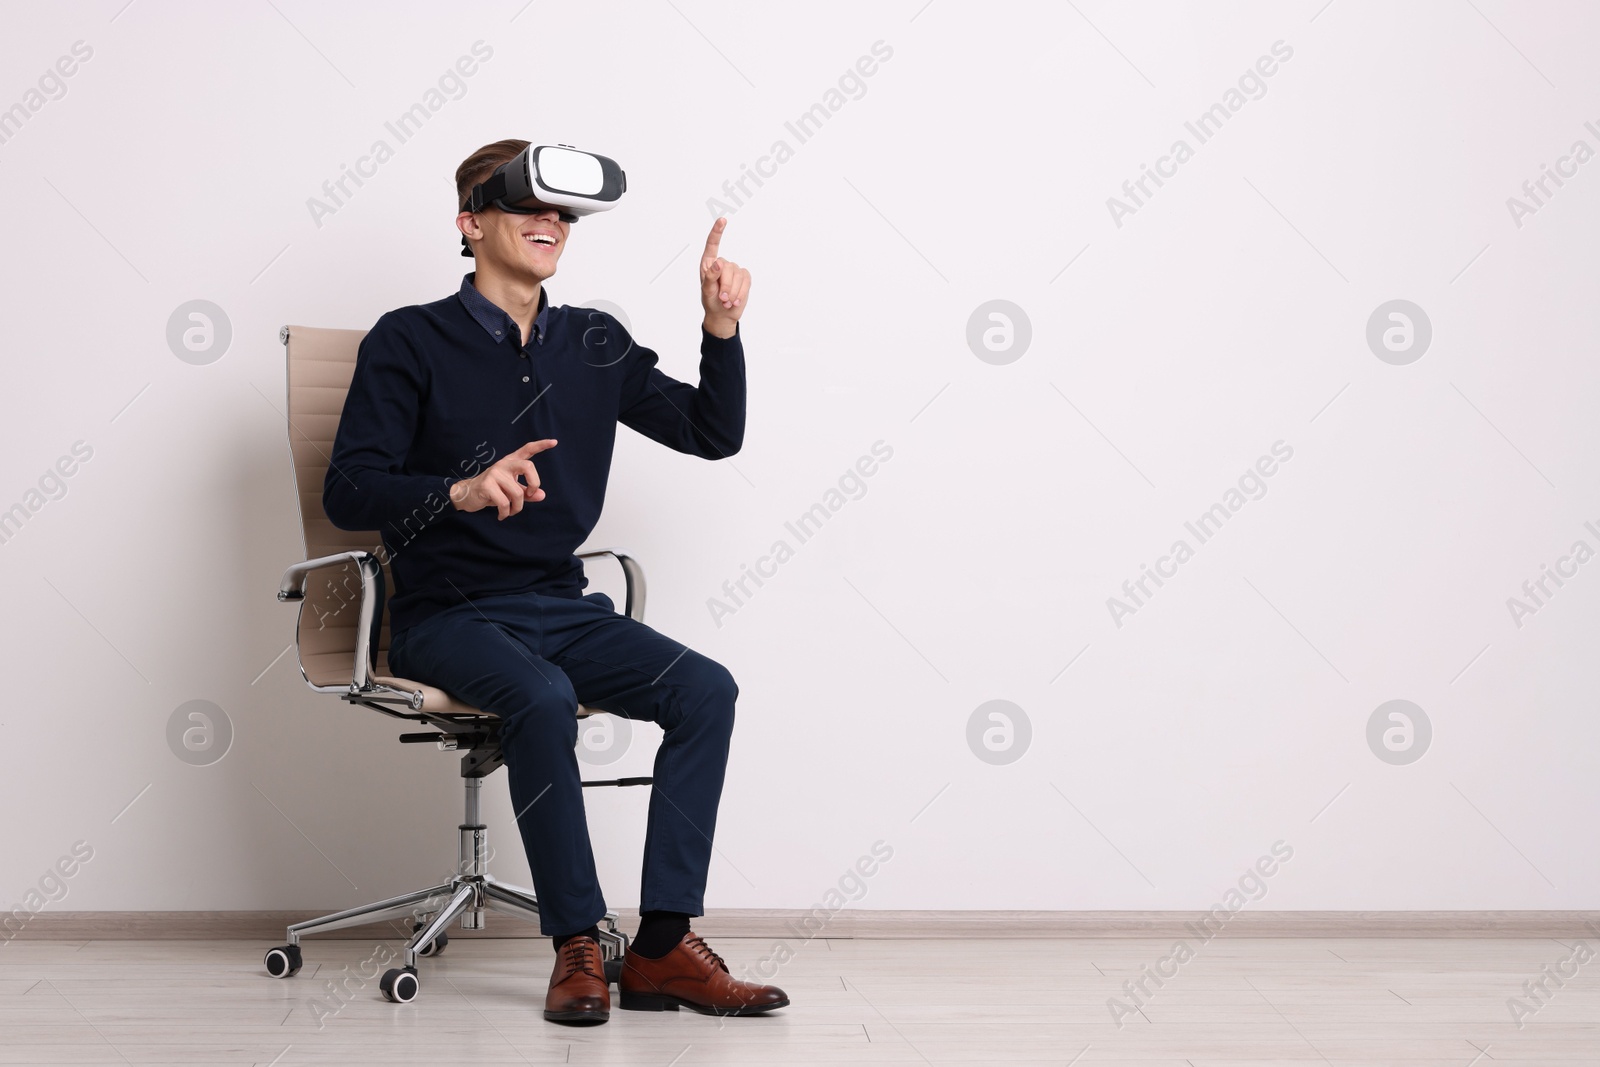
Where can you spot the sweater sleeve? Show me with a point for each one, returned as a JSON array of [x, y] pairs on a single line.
[[369, 485], [705, 421]]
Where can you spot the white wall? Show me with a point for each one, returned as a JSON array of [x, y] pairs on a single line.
[[1227, 313]]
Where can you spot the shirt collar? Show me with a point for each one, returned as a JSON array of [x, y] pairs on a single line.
[[493, 318]]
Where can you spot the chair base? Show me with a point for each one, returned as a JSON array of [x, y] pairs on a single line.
[[464, 898]]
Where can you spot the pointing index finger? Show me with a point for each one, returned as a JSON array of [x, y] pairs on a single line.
[[535, 447], [713, 242]]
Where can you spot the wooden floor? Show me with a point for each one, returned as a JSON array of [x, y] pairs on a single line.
[[1419, 1003]]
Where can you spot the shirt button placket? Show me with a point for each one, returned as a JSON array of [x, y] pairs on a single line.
[[529, 391]]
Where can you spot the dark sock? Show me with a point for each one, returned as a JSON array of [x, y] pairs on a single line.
[[659, 933], [562, 939]]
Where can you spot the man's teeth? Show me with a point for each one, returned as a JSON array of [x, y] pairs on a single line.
[[539, 238]]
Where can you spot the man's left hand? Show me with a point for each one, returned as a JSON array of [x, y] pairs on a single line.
[[724, 286]]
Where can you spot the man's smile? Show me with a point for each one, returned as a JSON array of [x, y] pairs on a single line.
[[542, 239]]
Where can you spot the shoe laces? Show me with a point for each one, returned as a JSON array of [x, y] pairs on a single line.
[[576, 955], [697, 944]]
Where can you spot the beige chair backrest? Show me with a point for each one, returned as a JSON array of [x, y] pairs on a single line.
[[321, 364]]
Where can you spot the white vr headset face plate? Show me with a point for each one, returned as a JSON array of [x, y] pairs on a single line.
[[567, 173]]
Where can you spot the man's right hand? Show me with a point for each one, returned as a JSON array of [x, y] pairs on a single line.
[[499, 488]]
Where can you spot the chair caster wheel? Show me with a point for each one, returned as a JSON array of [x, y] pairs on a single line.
[[434, 947], [613, 971], [283, 962], [400, 985]]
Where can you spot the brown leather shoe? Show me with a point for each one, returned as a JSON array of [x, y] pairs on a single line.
[[578, 992], [694, 977]]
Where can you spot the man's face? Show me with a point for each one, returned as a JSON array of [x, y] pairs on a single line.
[[520, 245]]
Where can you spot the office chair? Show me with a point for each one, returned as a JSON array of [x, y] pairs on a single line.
[[343, 640]]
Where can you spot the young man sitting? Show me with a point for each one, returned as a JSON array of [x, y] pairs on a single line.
[[489, 603]]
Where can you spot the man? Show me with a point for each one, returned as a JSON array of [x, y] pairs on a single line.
[[489, 603]]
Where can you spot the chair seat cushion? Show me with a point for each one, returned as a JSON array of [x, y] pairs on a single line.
[[435, 699], [327, 668]]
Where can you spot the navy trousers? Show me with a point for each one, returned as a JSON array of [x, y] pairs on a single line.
[[531, 659]]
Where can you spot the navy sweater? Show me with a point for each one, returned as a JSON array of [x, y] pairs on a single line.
[[442, 390]]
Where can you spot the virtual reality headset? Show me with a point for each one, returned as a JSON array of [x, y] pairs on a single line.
[[542, 177]]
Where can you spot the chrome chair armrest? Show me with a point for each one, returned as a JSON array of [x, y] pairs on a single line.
[[293, 588], [632, 574], [293, 585]]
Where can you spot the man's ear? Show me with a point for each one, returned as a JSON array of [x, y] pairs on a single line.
[[467, 223]]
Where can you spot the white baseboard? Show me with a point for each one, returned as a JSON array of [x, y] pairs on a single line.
[[793, 924]]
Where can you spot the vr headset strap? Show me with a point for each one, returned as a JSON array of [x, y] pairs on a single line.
[[482, 195], [486, 192]]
